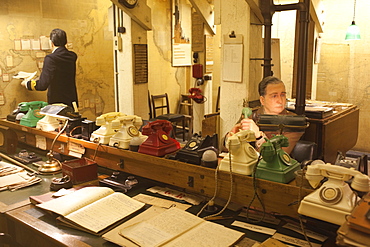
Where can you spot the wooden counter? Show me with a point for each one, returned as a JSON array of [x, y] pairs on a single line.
[[276, 197]]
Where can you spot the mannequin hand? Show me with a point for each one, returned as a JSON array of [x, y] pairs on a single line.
[[249, 124]]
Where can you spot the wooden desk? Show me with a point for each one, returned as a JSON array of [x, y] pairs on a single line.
[[277, 197], [337, 132]]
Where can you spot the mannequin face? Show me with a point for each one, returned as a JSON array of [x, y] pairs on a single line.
[[275, 99]]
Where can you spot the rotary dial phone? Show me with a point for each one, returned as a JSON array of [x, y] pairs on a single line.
[[103, 134], [159, 141], [243, 156], [276, 165], [334, 199], [33, 112], [127, 127]]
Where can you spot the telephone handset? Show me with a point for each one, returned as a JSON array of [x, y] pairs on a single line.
[[334, 199], [33, 112], [127, 127], [243, 156], [105, 131], [159, 142]]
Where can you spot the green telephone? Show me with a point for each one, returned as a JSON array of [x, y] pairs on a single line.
[[276, 165], [33, 112]]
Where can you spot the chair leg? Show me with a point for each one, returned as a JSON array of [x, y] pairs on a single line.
[[183, 129]]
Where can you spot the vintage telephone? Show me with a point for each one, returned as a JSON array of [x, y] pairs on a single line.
[[243, 156], [193, 150], [276, 165], [103, 134], [33, 112], [128, 127], [17, 114], [196, 95], [159, 142], [55, 116], [334, 199], [119, 182]]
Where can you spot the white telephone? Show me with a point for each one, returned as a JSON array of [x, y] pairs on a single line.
[[128, 127], [334, 199], [243, 156], [105, 131]]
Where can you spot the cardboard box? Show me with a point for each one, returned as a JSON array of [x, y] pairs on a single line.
[[80, 170]]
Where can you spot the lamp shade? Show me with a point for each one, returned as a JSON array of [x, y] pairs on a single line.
[[353, 32]]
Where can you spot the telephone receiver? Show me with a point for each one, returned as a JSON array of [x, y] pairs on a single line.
[[105, 131], [33, 112], [334, 199], [196, 95], [243, 156], [159, 142]]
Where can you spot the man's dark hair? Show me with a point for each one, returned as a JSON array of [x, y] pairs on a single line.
[[266, 81], [58, 37]]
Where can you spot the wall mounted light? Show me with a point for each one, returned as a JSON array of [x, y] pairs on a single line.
[[353, 31]]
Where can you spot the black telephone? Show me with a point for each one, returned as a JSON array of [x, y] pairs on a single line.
[[119, 182], [193, 150]]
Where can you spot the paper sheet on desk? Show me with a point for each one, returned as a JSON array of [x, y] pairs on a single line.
[[14, 179], [114, 236]]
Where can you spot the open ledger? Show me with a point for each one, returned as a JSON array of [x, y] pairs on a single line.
[[92, 209], [176, 227]]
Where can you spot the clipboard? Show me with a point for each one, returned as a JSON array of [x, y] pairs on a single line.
[[232, 70]]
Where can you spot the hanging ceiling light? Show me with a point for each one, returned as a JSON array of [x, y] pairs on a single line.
[[353, 31]]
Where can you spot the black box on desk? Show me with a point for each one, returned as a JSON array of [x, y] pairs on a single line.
[[80, 170]]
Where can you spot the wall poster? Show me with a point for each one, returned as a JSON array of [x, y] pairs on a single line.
[[181, 33]]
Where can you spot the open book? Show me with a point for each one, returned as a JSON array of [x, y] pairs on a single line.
[[92, 209], [176, 227]]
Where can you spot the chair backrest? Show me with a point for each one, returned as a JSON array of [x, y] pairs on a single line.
[[150, 106], [160, 101]]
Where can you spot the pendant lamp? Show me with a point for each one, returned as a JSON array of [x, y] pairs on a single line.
[[353, 31]]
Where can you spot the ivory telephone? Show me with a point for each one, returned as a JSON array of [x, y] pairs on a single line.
[[128, 127], [243, 156], [334, 199], [103, 134], [159, 142]]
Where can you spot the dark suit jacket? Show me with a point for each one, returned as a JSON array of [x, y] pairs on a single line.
[[58, 77]]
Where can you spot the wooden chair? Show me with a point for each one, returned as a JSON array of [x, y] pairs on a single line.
[[161, 102]]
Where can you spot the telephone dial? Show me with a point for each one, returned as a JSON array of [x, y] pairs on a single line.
[[334, 200], [128, 127], [159, 142], [276, 165], [103, 134], [193, 150], [243, 156]]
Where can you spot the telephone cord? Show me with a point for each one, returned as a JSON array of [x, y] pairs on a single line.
[[215, 192]]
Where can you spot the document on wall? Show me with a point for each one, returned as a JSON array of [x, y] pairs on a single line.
[[92, 209], [176, 227]]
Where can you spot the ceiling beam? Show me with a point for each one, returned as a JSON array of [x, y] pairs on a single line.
[[141, 13], [205, 11]]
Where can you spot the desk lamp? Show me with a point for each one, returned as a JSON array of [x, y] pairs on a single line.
[[276, 165]]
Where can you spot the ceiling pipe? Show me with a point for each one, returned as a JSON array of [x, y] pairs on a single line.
[[268, 8]]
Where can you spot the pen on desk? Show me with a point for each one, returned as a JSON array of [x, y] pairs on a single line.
[[220, 218]]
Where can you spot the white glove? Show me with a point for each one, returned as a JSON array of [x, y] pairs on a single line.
[[24, 83]]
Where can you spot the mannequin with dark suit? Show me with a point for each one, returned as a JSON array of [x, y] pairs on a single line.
[[58, 73]]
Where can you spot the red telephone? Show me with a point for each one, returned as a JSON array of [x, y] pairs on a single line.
[[196, 95], [159, 142]]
